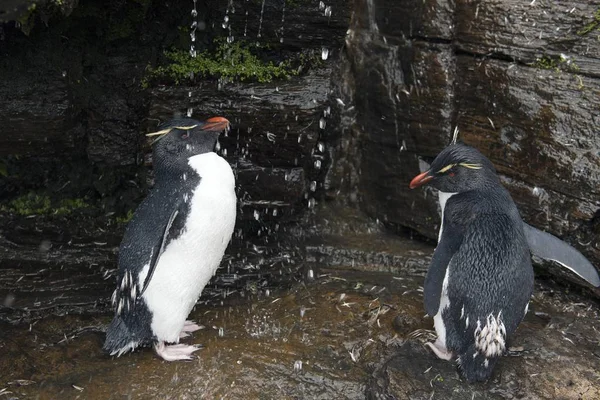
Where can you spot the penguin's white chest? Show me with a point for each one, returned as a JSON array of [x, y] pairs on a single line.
[[443, 198], [190, 260]]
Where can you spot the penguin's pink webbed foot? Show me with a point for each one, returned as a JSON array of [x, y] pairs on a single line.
[[175, 352], [440, 350], [188, 326]]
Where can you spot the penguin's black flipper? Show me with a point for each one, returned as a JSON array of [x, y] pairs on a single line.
[[448, 245], [549, 247], [168, 235]]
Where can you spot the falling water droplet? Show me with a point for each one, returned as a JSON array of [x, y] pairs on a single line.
[[262, 11], [275, 212], [321, 6], [311, 203], [321, 147], [229, 39], [317, 164], [190, 111], [64, 74], [322, 123], [297, 365], [256, 215], [311, 274], [221, 332], [302, 311], [327, 11], [45, 246], [313, 186], [324, 53]]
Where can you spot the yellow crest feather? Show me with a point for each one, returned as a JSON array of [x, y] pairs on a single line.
[[471, 166]]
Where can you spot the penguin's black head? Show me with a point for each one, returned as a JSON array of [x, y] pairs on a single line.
[[182, 138], [458, 168]]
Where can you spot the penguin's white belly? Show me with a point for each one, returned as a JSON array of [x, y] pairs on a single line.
[[438, 322], [190, 261]]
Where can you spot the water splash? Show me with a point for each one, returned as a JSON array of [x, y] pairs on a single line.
[[371, 14], [193, 52], [226, 23], [282, 23], [297, 366], [194, 26], [262, 12]]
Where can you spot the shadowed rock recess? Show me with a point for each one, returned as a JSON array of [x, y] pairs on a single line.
[[323, 151]]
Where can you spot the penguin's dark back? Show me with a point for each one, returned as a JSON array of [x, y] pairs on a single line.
[[493, 264], [146, 229]]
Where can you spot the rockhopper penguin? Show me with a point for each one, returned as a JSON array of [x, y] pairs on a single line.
[[480, 279], [175, 240]]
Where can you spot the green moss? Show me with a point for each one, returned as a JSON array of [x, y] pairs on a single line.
[[233, 61], [27, 20], [126, 218], [545, 62], [562, 62], [35, 204], [592, 26]]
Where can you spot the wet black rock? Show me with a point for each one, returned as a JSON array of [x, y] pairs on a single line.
[[519, 80]]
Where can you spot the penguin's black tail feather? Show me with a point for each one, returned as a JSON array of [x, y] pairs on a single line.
[[119, 338], [475, 366]]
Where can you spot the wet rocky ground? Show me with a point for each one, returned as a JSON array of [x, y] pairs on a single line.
[[352, 327]]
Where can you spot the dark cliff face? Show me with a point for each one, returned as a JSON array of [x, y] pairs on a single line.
[[80, 101], [378, 84], [519, 80]]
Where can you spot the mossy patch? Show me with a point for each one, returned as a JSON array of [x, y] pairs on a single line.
[[36, 204], [592, 26], [125, 218], [232, 61], [562, 62]]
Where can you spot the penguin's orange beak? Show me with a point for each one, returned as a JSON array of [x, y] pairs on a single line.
[[420, 180], [216, 124]]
